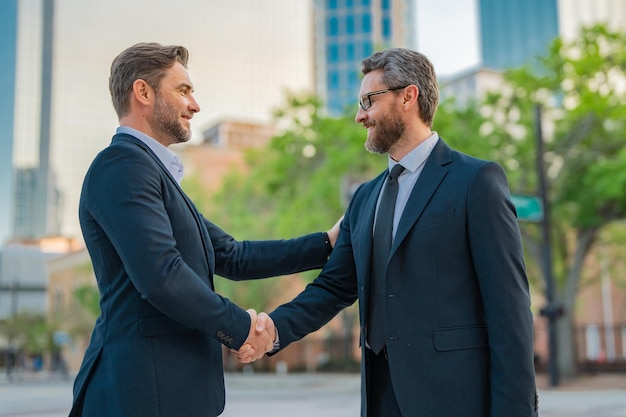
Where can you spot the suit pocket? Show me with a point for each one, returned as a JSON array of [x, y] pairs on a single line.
[[161, 326], [434, 219], [459, 338]]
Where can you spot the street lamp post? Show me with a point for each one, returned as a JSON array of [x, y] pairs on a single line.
[[552, 311]]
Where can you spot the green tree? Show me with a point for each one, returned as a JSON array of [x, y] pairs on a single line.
[[28, 331], [580, 85]]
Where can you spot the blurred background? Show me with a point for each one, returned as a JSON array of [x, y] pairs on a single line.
[[537, 85]]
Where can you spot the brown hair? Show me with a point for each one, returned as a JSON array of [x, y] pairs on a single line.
[[146, 61]]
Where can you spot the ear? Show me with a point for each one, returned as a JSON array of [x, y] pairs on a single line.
[[142, 92], [411, 94]]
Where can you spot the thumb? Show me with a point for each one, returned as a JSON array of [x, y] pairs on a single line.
[[261, 322]]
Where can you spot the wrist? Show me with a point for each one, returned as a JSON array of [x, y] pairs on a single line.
[[329, 245]]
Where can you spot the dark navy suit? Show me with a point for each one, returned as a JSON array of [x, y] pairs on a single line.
[[457, 306], [156, 349]]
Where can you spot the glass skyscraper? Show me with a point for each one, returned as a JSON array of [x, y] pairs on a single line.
[[8, 52], [346, 32], [514, 32]]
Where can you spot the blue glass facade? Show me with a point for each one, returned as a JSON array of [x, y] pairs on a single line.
[[514, 32], [352, 30], [8, 51]]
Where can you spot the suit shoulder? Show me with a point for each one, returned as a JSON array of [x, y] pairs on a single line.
[[474, 163], [121, 153]]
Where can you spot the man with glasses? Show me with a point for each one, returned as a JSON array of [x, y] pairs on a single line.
[[432, 250]]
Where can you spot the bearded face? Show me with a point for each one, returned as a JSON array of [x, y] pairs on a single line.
[[167, 121], [384, 131]]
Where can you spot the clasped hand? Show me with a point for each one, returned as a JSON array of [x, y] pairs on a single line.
[[260, 339]]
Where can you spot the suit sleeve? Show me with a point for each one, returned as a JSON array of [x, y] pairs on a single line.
[[497, 253], [241, 260], [332, 291], [124, 216]]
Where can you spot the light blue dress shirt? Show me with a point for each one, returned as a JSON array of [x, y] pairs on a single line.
[[167, 157], [413, 162]]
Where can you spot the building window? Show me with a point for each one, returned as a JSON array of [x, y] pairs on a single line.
[[333, 26], [368, 48], [333, 80], [333, 53], [350, 52], [350, 25], [366, 23], [387, 28]]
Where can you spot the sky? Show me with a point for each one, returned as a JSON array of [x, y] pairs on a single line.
[[447, 33]]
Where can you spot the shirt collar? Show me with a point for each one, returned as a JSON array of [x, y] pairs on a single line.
[[418, 155], [167, 157]]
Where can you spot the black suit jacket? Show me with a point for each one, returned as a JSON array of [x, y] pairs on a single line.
[[156, 349], [458, 321]]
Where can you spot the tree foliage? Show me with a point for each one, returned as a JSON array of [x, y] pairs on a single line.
[[580, 86]]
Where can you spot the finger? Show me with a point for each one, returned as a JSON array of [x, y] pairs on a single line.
[[244, 350]]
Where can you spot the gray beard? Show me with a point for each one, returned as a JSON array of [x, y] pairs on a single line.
[[387, 133]]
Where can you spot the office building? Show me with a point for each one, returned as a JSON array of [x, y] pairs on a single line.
[[56, 108], [515, 31], [8, 54], [28, 196], [346, 31]]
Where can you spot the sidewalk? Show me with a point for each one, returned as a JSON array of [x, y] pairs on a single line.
[[585, 382], [312, 395]]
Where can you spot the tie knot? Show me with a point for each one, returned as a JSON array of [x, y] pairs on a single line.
[[395, 172]]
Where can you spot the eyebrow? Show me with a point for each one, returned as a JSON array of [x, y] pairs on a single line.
[[185, 86]]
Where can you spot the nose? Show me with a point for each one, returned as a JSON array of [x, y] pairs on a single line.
[[193, 105], [360, 116]]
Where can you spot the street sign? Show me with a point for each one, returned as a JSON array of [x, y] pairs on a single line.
[[529, 208]]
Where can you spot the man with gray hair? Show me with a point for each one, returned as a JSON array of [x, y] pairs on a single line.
[[432, 250]]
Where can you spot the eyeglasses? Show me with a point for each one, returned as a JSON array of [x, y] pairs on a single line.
[[366, 102]]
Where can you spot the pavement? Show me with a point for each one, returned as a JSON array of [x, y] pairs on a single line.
[[309, 395], [586, 382]]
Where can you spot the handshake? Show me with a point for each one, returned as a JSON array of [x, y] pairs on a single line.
[[260, 339]]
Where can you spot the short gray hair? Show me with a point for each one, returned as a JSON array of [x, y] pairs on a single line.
[[405, 67]]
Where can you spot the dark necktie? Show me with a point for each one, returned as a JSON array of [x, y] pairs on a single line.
[[380, 257]]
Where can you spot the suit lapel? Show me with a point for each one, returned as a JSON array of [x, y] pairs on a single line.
[[429, 180], [203, 233]]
